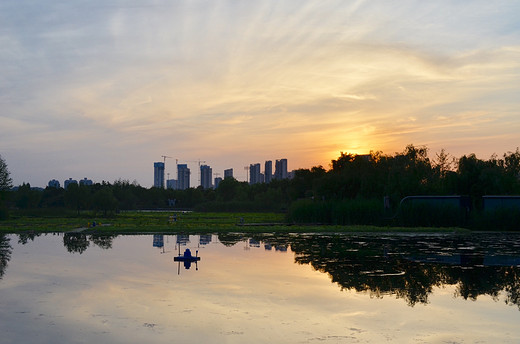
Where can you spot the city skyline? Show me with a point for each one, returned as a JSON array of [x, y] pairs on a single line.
[[161, 177], [104, 89]]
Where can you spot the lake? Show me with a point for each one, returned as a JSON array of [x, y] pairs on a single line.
[[289, 288]]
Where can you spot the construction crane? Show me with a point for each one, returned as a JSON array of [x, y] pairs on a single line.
[[164, 157], [164, 162]]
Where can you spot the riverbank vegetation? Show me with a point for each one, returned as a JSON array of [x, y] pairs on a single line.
[[167, 222], [355, 190]]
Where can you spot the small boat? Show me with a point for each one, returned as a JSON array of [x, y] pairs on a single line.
[[186, 259]]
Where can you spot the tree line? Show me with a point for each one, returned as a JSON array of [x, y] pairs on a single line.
[[355, 183]]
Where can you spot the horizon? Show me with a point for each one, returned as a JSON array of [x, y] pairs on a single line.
[[104, 89], [194, 182]]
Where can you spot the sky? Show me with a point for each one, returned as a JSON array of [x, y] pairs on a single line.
[[103, 89]]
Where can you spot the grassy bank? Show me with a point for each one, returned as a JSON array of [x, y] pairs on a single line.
[[187, 222]]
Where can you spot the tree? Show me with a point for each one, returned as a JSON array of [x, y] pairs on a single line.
[[443, 163], [26, 198], [76, 197], [104, 200], [6, 183]]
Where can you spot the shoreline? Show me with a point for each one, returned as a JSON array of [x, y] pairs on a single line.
[[135, 222]]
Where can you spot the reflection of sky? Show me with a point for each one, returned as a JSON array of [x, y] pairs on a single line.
[[132, 294]]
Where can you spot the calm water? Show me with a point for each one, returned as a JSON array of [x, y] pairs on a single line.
[[266, 289]]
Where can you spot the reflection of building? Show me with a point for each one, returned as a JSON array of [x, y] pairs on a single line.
[[183, 239], [254, 174], [158, 175], [228, 173], [183, 177], [205, 176], [204, 239], [280, 169], [268, 247], [254, 243], [54, 184], [268, 171], [158, 240], [69, 182], [281, 248]]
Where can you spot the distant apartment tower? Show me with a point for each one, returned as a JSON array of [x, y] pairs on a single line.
[[268, 171], [206, 174], [217, 182], [86, 182], [280, 169], [183, 177], [228, 173], [68, 182], [158, 175], [171, 184], [54, 184], [254, 174]]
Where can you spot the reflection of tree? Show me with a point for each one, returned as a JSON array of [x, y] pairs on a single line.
[[512, 286], [23, 238], [409, 267], [5, 253], [231, 239], [103, 241], [75, 242]]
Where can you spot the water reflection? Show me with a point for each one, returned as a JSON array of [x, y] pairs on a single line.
[[187, 259], [5, 253], [158, 241], [408, 267], [260, 288], [79, 242]]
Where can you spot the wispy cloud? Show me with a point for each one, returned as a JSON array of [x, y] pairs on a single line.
[[247, 80]]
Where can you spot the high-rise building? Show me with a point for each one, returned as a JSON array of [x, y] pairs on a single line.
[[268, 171], [183, 177], [280, 169], [217, 182], [206, 174], [54, 184], [254, 174], [86, 182], [69, 182], [158, 175], [228, 173], [171, 184]]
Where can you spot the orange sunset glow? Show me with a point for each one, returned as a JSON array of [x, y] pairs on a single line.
[[104, 89]]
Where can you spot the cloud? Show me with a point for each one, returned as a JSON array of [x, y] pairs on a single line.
[[264, 78]]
